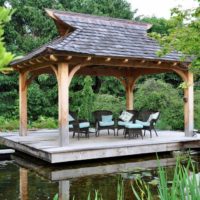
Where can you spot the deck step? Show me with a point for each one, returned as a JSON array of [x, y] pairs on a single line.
[[6, 151]]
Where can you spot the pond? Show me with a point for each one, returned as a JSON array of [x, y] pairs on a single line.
[[25, 178]]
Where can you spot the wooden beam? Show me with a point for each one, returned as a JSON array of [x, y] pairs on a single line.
[[69, 58], [125, 60], [31, 62], [95, 71], [55, 69], [63, 103], [103, 61], [23, 103], [89, 58], [72, 73], [53, 58], [46, 58], [159, 63], [108, 59]]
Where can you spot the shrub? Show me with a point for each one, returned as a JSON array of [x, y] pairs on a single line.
[[109, 102], [87, 97], [8, 124], [45, 122], [158, 95], [41, 101], [197, 109]]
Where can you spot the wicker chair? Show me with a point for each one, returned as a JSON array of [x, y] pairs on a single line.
[[99, 124], [78, 126], [148, 124], [121, 124]]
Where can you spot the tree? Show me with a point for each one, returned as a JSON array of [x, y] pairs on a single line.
[[160, 26], [6, 57], [111, 8], [29, 28], [6, 98], [87, 99], [184, 35]]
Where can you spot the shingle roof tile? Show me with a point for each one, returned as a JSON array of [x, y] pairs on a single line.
[[105, 37]]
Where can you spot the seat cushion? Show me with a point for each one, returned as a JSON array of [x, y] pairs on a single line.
[[134, 125], [106, 118], [70, 125], [121, 123], [110, 123], [142, 123], [84, 124], [126, 116]]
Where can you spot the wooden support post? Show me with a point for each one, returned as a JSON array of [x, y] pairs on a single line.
[[63, 93], [129, 85], [64, 190], [23, 103], [129, 97], [23, 183], [189, 106]]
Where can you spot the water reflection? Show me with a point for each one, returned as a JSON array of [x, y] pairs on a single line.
[[77, 180], [23, 183]]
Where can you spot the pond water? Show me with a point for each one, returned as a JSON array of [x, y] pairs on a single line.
[[25, 178]]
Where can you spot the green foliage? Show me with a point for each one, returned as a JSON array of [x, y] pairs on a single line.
[[159, 25], [109, 8], [87, 99], [183, 35], [9, 94], [185, 184], [30, 27], [111, 85], [45, 122], [6, 57], [109, 102], [161, 96], [197, 109], [8, 124], [41, 101]]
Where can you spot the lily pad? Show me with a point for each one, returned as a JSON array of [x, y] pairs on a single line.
[[154, 182], [146, 174]]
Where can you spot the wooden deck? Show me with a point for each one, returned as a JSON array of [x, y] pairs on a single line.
[[44, 144]]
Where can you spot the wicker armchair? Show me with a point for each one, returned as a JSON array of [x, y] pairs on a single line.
[[147, 121], [102, 125], [121, 124], [78, 126]]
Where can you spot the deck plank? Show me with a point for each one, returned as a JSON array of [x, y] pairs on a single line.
[[44, 145]]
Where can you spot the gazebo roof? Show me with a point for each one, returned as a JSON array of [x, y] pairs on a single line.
[[100, 36]]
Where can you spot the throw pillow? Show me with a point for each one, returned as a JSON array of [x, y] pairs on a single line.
[[153, 116], [71, 118], [126, 116]]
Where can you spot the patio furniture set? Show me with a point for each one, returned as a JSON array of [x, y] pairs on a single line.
[[133, 123]]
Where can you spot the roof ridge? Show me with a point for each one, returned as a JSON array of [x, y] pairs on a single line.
[[102, 18]]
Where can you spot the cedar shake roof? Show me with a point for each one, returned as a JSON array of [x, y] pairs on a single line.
[[100, 36]]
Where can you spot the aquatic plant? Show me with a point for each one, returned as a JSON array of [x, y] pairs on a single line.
[[184, 186]]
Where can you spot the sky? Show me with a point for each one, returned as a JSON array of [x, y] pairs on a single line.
[[159, 8]]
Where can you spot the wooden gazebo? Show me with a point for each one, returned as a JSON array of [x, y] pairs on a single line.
[[98, 46]]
